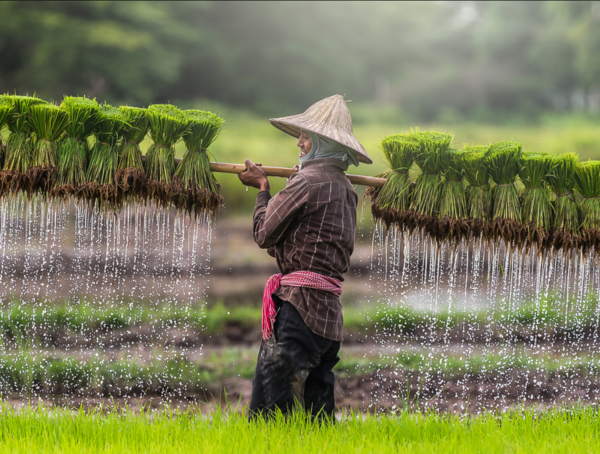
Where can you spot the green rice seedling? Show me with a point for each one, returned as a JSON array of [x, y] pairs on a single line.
[[393, 199], [48, 123], [534, 169], [561, 180], [503, 159], [431, 158], [73, 148], [18, 146], [167, 125], [453, 202], [104, 157], [197, 189], [130, 175], [587, 183], [475, 172], [6, 110]]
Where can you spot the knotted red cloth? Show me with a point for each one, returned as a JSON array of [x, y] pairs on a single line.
[[295, 279]]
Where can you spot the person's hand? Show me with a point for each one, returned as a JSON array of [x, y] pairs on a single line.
[[255, 177]]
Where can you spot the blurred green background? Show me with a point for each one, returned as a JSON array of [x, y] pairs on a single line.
[[528, 71]]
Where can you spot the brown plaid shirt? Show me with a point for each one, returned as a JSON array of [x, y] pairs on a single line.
[[310, 226]]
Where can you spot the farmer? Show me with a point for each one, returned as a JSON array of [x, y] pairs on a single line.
[[309, 228]]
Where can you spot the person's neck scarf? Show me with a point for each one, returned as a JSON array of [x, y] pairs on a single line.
[[323, 148]]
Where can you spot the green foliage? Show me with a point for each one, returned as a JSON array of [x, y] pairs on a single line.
[[399, 152], [587, 183], [431, 158], [105, 153], [167, 125], [202, 130], [18, 122], [534, 171], [137, 124], [503, 159], [562, 181], [111, 123], [48, 123], [134, 132], [476, 174], [453, 201], [73, 149], [19, 146], [18, 152], [6, 110], [83, 116]]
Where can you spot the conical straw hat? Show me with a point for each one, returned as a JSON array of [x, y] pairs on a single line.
[[329, 118]]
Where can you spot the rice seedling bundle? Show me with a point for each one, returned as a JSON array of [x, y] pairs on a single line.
[[73, 148], [453, 201], [167, 126], [562, 182], [130, 175], [431, 158], [6, 110], [18, 146], [104, 157], [48, 123], [534, 171], [195, 185], [587, 183], [390, 202], [503, 161], [476, 173]]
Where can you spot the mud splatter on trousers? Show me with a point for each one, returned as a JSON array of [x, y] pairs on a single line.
[[294, 367]]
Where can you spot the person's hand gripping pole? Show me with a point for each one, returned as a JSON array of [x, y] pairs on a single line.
[[255, 177]]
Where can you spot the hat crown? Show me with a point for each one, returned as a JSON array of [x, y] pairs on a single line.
[[332, 111], [328, 117]]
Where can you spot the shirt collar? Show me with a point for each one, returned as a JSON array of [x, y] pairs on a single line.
[[341, 165]]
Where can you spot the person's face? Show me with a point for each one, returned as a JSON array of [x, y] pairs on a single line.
[[304, 143]]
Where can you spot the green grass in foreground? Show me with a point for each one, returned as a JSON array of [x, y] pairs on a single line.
[[557, 431]]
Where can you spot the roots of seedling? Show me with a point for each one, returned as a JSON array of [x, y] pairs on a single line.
[[161, 193], [68, 190], [590, 238], [131, 182], [41, 179], [106, 195], [195, 199], [518, 235], [13, 182], [513, 233]]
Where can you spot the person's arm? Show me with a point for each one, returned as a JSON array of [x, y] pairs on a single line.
[[272, 216]]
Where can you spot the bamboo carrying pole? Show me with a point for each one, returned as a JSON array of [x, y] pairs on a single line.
[[285, 172]]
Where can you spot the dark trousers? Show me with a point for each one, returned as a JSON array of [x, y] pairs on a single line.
[[294, 367]]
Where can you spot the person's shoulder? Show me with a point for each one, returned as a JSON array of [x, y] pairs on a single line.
[[318, 176]]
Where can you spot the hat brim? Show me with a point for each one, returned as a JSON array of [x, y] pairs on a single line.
[[349, 142]]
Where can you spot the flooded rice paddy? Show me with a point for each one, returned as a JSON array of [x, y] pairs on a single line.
[[145, 305]]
